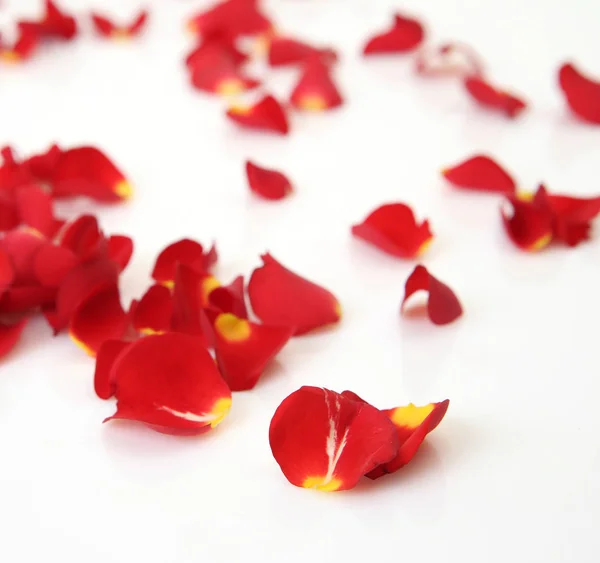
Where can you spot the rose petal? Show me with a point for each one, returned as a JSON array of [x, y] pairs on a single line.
[[239, 17], [36, 210], [108, 353], [24, 48], [315, 90], [405, 35], [52, 263], [285, 51], [480, 173], [267, 114], [154, 312], [7, 271], [120, 250], [488, 96], [229, 298], [266, 183], [187, 252], [581, 93], [530, 227], [81, 236], [281, 297], [55, 24], [106, 28]]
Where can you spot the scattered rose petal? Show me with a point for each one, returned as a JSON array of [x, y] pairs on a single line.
[[184, 251], [81, 236], [281, 297], [108, 353], [10, 336], [266, 183], [120, 250], [530, 226], [35, 209], [394, 229], [219, 43], [581, 93], [216, 72], [267, 114], [23, 49], [323, 440], [488, 96], [448, 59], [106, 28], [154, 311], [480, 173], [170, 383], [284, 51], [229, 298], [443, 306], [52, 263], [239, 17], [405, 35], [55, 24], [315, 90]]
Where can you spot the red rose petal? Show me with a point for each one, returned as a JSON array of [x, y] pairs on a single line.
[[10, 335], [9, 214], [280, 297], [99, 318], [216, 72], [82, 236], [184, 251], [394, 229], [443, 306], [41, 166], [530, 227], [285, 51], [106, 28], [154, 311], [120, 250], [24, 47], [170, 383], [488, 96], [269, 184], [86, 171], [36, 210], [219, 43], [239, 17], [52, 263], [108, 353], [243, 348], [22, 246], [55, 24], [323, 440], [315, 90], [448, 59], [26, 298], [7, 271], [267, 114], [581, 93], [480, 173], [13, 174], [229, 298], [405, 35], [572, 217]]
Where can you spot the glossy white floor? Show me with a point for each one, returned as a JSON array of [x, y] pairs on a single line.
[[512, 472]]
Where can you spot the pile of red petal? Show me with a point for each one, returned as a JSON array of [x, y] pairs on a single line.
[[535, 219], [67, 270], [327, 441]]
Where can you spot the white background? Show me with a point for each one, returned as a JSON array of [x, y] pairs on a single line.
[[512, 473]]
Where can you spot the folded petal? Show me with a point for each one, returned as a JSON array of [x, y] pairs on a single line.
[[154, 312], [443, 306], [81, 236], [99, 318], [120, 250], [489, 96], [229, 298], [266, 183], [530, 226], [281, 297], [267, 114], [171, 383], [405, 35], [10, 335], [394, 229], [581, 93], [448, 59], [184, 251], [108, 353], [285, 51], [480, 173], [323, 440], [243, 348], [106, 28], [315, 90]]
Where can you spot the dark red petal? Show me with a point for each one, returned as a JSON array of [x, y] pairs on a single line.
[[154, 311], [575, 209], [81, 283], [120, 250], [269, 184], [582, 94], [35, 208], [489, 96], [10, 335], [280, 297], [26, 298], [405, 35], [315, 90], [52, 263], [229, 298], [287, 51], [448, 59], [99, 318], [323, 440], [530, 227], [81, 235], [184, 251], [243, 348], [108, 353], [394, 229], [171, 383], [87, 171], [267, 114], [9, 214], [7, 271], [443, 306], [480, 173]]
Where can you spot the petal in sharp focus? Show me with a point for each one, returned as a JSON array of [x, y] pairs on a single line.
[[154, 312], [323, 440], [108, 353], [171, 383], [266, 115], [281, 297], [394, 229], [315, 90], [99, 318], [120, 250], [184, 251], [36, 210], [10, 335], [581, 93], [87, 171], [285, 51], [405, 35], [266, 183], [480, 173], [55, 24], [443, 306], [530, 225], [448, 59], [491, 97], [243, 348], [229, 298]]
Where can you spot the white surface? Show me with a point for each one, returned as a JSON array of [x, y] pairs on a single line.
[[512, 472]]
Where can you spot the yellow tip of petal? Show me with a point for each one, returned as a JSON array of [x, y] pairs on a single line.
[[540, 243], [10, 57], [411, 416], [230, 87], [150, 331], [82, 345], [219, 411], [313, 103], [338, 310], [124, 189], [424, 247], [239, 109], [523, 195], [232, 328], [322, 484], [120, 35], [168, 283]]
